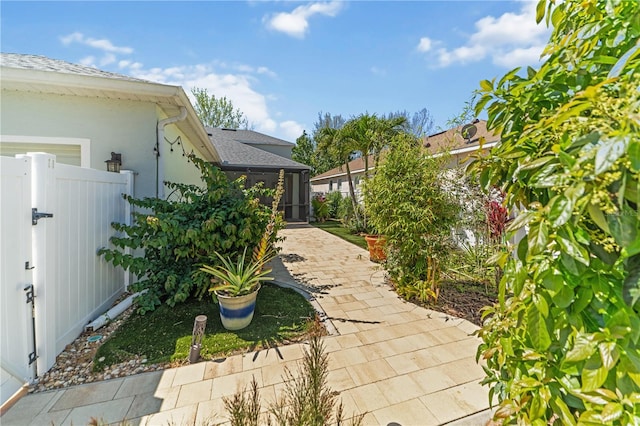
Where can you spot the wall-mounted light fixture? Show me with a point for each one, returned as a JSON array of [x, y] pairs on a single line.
[[114, 164]]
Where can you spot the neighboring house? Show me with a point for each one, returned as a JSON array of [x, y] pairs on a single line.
[[335, 180], [459, 147], [260, 158], [82, 115]]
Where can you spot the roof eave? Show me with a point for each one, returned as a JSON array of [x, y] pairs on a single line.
[[163, 95]]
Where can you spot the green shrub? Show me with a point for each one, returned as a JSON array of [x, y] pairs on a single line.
[[333, 200], [562, 345], [406, 203], [320, 208], [170, 243]]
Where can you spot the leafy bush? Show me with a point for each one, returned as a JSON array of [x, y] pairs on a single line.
[[406, 203], [320, 208], [333, 200], [169, 244], [562, 345]]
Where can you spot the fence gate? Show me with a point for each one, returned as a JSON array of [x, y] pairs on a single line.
[[17, 350], [54, 219]]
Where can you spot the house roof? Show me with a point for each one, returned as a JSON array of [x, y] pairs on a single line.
[[355, 166], [41, 63], [452, 139], [38, 74], [250, 137], [236, 150], [449, 140]]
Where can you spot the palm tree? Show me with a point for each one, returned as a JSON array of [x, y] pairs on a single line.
[[370, 134], [335, 144]]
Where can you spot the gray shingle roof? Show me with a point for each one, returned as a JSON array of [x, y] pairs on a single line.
[[234, 151], [41, 63], [246, 136]]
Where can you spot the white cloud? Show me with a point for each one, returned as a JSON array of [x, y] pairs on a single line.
[[518, 57], [233, 80], [89, 61], [237, 87], [510, 40], [108, 58], [266, 71], [109, 50], [425, 44], [296, 23], [101, 44], [291, 129]]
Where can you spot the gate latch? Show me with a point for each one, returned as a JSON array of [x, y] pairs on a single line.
[[35, 215], [29, 293]]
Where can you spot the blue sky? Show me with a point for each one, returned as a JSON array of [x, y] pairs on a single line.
[[282, 62]]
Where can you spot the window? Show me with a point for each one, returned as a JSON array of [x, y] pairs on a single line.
[[330, 185], [339, 184]]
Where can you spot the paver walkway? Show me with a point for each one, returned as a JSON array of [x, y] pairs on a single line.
[[402, 364]]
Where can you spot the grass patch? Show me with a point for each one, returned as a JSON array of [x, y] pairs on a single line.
[[336, 228], [164, 335]]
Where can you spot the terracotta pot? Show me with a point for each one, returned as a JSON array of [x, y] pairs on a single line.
[[376, 243], [236, 312]]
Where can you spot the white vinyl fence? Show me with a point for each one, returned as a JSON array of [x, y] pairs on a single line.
[[57, 255]]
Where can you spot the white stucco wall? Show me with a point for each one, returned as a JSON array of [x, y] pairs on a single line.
[[127, 127], [176, 166]]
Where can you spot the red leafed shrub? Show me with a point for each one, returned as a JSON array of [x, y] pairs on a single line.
[[497, 218]]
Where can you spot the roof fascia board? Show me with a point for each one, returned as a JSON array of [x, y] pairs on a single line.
[[60, 79]]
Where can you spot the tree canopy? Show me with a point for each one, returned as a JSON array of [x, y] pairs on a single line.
[[217, 112]]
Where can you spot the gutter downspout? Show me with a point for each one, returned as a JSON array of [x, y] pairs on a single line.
[[159, 138]]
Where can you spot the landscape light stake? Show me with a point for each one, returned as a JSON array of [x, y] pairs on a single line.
[[196, 340]]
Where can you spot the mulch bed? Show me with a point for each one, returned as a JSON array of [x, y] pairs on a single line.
[[463, 300]]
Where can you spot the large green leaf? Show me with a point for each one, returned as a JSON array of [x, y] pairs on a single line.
[[561, 409], [612, 412], [540, 9], [537, 329], [609, 152], [594, 374], [583, 348], [624, 226], [541, 304], [572, 248], [538, 237], [608, 354], [564, 297], [634, 155], [560, 210]]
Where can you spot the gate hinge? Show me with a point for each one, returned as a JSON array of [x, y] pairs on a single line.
[[35, 215], [32, 357], [29, 293]]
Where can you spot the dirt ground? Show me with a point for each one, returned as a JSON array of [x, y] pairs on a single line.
[[463, 300]]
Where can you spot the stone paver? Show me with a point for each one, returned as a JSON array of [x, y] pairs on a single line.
[[399, 363]]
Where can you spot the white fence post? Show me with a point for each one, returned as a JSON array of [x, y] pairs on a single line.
[[43, 196], [128, 219]]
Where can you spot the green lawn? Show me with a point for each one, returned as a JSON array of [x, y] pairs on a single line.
[[336, 228], [165, 334]]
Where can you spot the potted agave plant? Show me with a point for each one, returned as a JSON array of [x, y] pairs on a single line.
[[236, 283]]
